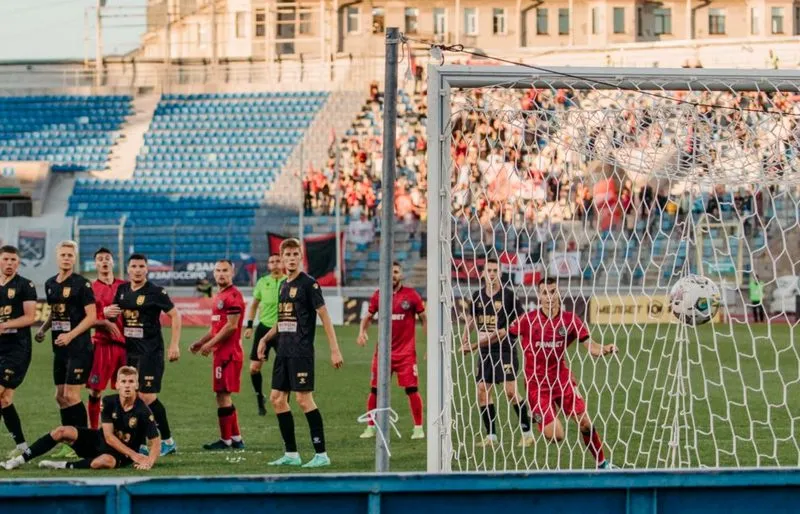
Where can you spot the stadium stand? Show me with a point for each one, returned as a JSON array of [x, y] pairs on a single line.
[[206, 164], [74, 133]]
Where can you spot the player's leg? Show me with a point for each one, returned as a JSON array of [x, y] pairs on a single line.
[[372, 400], [279, 398], [151, 372], [89, 445], [99, 377], [301, 377], [510, 364], [488, 412], [255, 369], [77, 373], [575, 408], [11, 419], [227, 381], [543, 411], [60, 366], [408, 379], [43, 445]]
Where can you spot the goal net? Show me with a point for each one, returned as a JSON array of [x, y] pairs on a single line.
[[617, 183]]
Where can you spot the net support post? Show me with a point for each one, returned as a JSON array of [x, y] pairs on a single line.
[[387, 249], [438, 394]]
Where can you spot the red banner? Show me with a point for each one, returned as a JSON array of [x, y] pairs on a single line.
[[195, 312]]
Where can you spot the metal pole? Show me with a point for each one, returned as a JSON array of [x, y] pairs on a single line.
[[300, 229], [214, 42], [387, 243], [76, 236], [121, 245], [98, 57], [337, 211]]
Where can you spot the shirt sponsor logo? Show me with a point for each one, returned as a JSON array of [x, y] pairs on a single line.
[[398, 317], [215, 317]]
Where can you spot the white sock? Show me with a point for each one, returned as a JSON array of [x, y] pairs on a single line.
[[493, 437], [237, 438], [19, 459], [169, 441], [60, 465], [417, 427], [293, 455], [226, 441], [22, 447]]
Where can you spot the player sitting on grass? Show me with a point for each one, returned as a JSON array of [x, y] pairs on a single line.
[[127, 423]]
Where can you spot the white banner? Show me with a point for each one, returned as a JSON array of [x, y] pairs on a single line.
[[565, 264]]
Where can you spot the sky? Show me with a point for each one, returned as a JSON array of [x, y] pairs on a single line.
[[55, 29]]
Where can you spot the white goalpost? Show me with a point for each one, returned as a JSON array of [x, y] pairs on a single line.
[[618, 183]]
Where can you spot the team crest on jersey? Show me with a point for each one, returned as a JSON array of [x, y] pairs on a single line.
[[113, 415], [132, 422], [405, 305], [66, 292], [220, 304], [497, 304], [140, 300], [562, 331], [292, 292], [12, 293]]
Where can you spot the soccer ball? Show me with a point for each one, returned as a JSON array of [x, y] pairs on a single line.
[[694, 299]]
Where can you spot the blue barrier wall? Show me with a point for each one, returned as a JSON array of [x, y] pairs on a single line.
[[713, 492]]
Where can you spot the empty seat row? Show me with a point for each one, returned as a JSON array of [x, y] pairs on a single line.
[[238, 96]]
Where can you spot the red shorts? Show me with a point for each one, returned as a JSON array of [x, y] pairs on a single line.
[[406, 370], [226, 375], [108, 358], [544, 403]]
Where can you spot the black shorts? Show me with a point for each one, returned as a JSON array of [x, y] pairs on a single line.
[[72, 366], [151, 370], [261, 331], [293, 373], [92, 444], [498, 366], [13, 367]]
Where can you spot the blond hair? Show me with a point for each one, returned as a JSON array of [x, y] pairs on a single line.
[[127, 371], [68, 243], [290, 243]]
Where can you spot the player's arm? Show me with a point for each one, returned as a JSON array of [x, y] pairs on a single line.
[[363, 336], [251, 316], [327, 324], [114, 442], [39, 336], [27, 319], [197, 345], [585, 338], [262, 344], [492, 337], [175, 339], [86, 323], [227, 331]]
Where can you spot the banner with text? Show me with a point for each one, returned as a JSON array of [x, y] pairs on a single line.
[[630, 309]]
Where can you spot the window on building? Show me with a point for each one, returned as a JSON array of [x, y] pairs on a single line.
[[563, 22], [378, 20], [754, 22], [261, 23], [619, 20], [352, 19], [541, 21], [241, 25], [639, 23], [470, 21], [412, 15], [797, 20], [716, 22], [439, 21], [662, 21], [777, 20], [498, 21], [202, 34], [595, 20]]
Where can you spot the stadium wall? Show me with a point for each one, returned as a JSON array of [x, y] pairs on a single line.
[[687, 492]]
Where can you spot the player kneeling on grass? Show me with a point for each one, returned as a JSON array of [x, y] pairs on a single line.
[[544, 335], [225, 341], [127, 423]]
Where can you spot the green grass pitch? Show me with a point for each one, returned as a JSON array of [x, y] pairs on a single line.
[[745, 403]]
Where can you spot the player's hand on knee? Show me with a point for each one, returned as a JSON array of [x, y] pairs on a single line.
[[336, 359]]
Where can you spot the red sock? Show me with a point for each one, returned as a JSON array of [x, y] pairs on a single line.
[[415, 402], [233, 419], [94, 412], [372, 404], [594, 444], [224, 423]]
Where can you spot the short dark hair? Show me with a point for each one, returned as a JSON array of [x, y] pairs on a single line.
[[491, 260], [226, 261], [137, 257], [9, 249], [103, 250], [547, 281], [273, 254], [395, 263]]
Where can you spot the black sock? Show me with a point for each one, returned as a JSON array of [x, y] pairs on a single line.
[[488, 413], [524, 416], [160, 415], [258, 383], [286, 424], [75, 416], [314, 419], [80, 464], [13, 424], [41, 446]]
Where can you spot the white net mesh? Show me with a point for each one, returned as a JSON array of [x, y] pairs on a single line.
[[618, 193]]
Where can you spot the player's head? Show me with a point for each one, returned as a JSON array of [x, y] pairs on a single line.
[[549, 295], [66, 255], [137, 268], [275, 264], [292, 254], [223, 273], [9, 260], [397, 274], [104, 261], [127, 381], [491, 270]]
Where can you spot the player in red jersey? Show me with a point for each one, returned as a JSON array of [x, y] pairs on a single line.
[[406, 306], [544, 335], [109, 344], [224, 339]]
